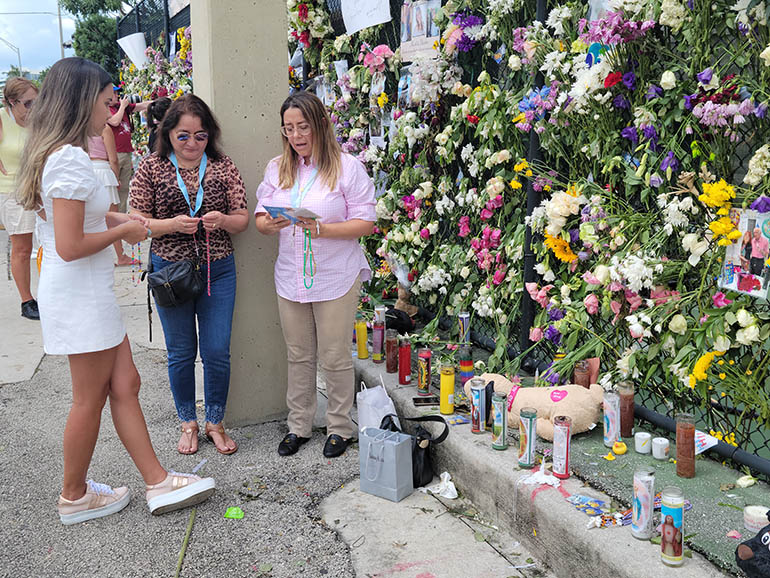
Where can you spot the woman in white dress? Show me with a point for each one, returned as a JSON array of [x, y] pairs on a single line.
[[80, 315]]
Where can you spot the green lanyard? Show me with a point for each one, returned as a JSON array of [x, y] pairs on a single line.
[[308, 259]]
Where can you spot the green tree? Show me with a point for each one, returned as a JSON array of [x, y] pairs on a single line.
[[14, 71], [95, 39], [84, 8], [41, 76]]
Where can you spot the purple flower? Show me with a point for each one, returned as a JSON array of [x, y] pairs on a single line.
[[690, 4], [670, 162], [584, 255], [465, 44], [621, 102], [761, 205], [629, 80], [651, 135], [688, 98], [655, 181], [704, 77], [761, 110], [552, 377], [654, 92], [630, 133], [554, 314], [574, 235], [553, 335]]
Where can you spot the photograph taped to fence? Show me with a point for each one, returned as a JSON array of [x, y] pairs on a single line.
[[745, 268]]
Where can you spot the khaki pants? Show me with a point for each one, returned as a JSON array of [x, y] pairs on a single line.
[[313, 331], [126, 172]]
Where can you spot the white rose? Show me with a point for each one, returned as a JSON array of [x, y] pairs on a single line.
[[744, 318], [464, 272], [747, 335], [565, 291], [667, 80], [442, 138], [721, 343], [602, 273], [678, 324], [514, 62]]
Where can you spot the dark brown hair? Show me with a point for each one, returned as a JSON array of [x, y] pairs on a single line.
[[194, 106]]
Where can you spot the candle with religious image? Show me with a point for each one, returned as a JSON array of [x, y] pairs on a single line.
[[404, 361], [423, 371], [643, 504], [672, 526], [611, 407], [562, 437]]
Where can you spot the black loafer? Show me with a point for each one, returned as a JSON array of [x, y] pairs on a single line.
[[335, 446], [29, 310], [290, 444]]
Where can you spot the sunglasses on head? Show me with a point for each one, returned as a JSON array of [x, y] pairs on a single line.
[[199, 136]]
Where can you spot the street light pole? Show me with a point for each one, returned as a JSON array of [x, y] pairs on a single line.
[[16, 50], [61, 34]]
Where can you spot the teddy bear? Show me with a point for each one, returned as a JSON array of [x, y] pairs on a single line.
[[753, 556], [582, 404]]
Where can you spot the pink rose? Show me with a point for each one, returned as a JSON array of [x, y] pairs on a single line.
[[486, 214], [634, 301], [535, 334], [616, 286], [464, 224], [591, 279], [591, 302], [499, 277], [540, 296], [720, 300], [424, 233]]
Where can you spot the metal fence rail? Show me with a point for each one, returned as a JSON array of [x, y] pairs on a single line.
[[152, 17]]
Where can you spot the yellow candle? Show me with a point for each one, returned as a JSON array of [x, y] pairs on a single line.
[[363, 351], [447, 387]]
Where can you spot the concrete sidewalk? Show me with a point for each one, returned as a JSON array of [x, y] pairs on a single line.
[[551, 527], [303, 515]]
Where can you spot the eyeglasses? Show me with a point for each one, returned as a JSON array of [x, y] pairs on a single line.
[[27, 103], [199, 136], [303, 130]]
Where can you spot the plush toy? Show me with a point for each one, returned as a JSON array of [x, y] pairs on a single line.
[[581, 404], [753, 556]]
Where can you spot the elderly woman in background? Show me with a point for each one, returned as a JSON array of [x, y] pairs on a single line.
[[194, 199], [320, 265], [19, 96]]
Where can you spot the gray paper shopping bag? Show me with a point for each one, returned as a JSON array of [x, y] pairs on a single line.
[[385, 459]]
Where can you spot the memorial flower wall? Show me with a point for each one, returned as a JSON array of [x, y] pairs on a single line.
[[651, 119]]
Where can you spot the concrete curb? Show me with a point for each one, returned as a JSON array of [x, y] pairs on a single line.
[[550, 527]]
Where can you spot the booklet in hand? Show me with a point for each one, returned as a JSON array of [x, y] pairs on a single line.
[[291, 214]]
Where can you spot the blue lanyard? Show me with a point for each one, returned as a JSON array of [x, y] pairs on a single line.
[[298, 196], [183, 187]]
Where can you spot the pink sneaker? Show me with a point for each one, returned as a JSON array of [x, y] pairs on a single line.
[[178, 491], [100, 500]]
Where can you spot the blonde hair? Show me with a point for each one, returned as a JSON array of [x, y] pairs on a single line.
[[15, 87], [61, 116], [326, 149]]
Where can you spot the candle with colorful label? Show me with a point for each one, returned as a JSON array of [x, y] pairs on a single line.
[[499, 421], [464, 324], [672, 526], [466, 364], [611, 407], [478, 405], [378, 341], [643, 504], [423, 371], [527, 437]]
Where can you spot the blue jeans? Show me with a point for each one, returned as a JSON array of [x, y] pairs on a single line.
[[215, 322]]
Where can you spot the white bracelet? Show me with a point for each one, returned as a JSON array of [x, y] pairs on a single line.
[[317, 228]]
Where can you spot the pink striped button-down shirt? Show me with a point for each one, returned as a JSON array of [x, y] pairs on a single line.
[[339, 262]]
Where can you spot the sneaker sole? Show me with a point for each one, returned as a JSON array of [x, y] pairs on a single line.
[[183, 497], [85, 515]]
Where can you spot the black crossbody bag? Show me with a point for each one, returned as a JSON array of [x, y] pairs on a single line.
[[422, 440]]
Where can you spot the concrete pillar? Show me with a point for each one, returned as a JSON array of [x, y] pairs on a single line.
[[240, 70]]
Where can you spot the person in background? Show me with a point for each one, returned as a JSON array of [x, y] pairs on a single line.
[[104, 157], [80, 314], [18, 97], [760, 248], [320, 265], [122, 127], [193, 198], [155, 113]]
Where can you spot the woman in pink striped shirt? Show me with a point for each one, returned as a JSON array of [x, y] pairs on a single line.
[[320, 265]]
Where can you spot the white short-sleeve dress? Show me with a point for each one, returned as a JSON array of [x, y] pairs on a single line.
[[78, 309]]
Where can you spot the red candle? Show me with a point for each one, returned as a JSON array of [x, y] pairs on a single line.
[[685, 445], [391, 351], [626, 393], [404, 362]]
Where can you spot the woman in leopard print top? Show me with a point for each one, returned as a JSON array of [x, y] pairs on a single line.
[[189, 136]]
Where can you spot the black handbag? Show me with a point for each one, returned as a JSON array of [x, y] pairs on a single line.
[[176, 284], [422, 462]]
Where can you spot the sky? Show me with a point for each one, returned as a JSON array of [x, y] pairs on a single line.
[[35, 35]]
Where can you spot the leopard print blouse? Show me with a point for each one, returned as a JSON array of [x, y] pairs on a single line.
[[154, 191]]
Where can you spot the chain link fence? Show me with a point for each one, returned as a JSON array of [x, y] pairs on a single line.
[[153, 18]]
